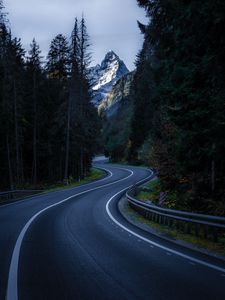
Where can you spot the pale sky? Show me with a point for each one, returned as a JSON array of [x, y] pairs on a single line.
[[111, 24]]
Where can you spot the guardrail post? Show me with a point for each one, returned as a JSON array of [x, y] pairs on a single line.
[[188, 228], [196, 229], [206, 230], [152, 216], [182, 226], [165, 221], [215, 235]]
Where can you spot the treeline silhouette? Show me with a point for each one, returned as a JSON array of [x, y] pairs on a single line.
[[48, 126]]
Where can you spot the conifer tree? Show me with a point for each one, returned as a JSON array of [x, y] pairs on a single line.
[[48, 126], [73, 95], [34, 78], [184, 62], [58, 72], [58, 58]]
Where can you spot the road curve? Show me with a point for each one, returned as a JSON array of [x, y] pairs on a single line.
[[74, 244]]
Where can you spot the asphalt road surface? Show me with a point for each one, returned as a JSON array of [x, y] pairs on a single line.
[[74, 244]]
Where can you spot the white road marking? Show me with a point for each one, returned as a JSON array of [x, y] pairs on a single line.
[[70, 189], [12, 286], [192, 259]]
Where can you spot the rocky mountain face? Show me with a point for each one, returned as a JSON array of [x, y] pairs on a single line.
[[119, 94], [113, 98], [104, 76], [116, 111]]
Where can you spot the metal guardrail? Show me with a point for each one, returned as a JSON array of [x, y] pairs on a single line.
[[199, 224], [17, 195]]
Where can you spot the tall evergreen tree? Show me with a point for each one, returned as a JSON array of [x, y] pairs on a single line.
[[82, 117], [58, 58], [34, 78], [73, 95], [184, 64], [58, 72], [48, 126]]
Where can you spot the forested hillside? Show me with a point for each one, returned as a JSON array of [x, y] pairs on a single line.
[[178, 126], [48, 126]]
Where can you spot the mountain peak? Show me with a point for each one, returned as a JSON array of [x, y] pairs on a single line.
[[104, 76], [109, 59], [111, 55]]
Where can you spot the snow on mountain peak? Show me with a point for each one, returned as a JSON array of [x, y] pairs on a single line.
[[110, 57], [104, 76]]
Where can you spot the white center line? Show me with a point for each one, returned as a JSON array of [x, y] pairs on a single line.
[[12, 286]]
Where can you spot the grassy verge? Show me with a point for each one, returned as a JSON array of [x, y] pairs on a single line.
[[174, 233], [151, 192], [199, 242], [94, 175]]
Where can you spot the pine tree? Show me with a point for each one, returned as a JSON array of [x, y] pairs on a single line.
[[35, 73], [73, 95], [58, 71], [88, 114], [183, 59], [81, 116], [12, 101], [58, 58], [48, 126]]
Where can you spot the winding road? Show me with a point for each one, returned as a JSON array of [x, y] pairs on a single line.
[[74, 244]]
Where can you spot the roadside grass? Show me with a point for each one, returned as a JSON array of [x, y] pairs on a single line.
[[199, 242], [173, 233], [152, 191], [94, 175]]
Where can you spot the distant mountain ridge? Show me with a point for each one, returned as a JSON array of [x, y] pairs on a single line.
[[104, 76]]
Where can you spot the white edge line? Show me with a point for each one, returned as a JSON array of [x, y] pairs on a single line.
[[12, 286], [201, 262], [110, 174]]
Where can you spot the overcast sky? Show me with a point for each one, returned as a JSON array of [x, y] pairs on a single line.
[[111, 24]]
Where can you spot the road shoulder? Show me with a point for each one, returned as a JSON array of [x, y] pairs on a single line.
[[134, 218]]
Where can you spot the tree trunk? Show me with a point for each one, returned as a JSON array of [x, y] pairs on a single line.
[[34, 168], [213, 176], [81, 163], [9, 164], [16, 136], [66, 181], [21, 165], [194, 183]]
